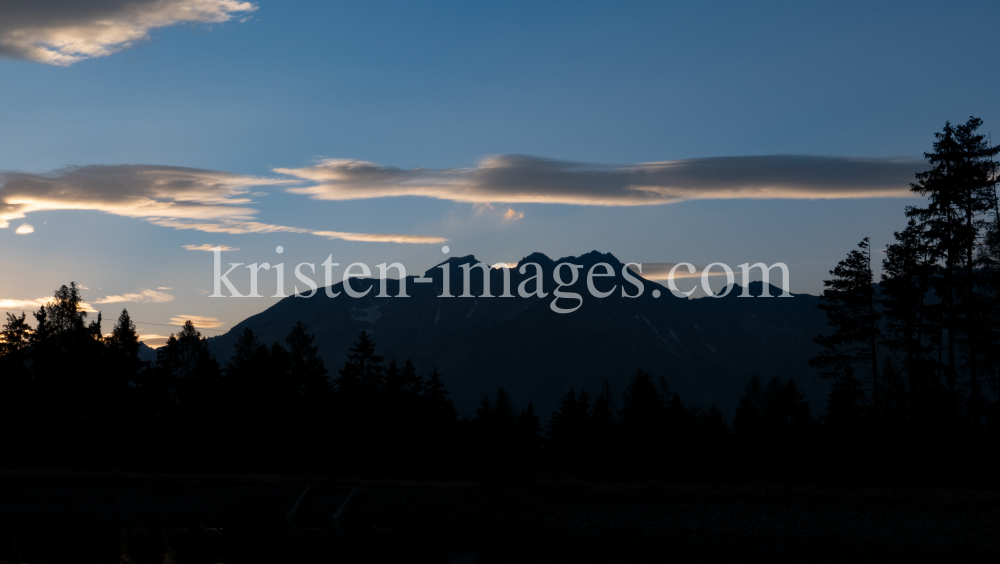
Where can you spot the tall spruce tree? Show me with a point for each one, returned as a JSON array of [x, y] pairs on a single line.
[[960, 200], [904, 299], [307, 368], [363, 377], [849, 302]]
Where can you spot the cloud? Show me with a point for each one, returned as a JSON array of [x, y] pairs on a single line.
[[208, 247], [481, 208], [24, 229], [199, 321], [144, 297], [33, 305], [380, 237], [661, 271], [63, 32], [244, 227], [23, 305], [526, 179], [182, 198], [511, 215], [487, 209], [164, 288], [154, 341], [141, 191]]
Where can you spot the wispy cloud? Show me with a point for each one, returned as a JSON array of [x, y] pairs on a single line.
[[154, 341], [24, 229], [486, 209], [526, 179], [32, 305], [181, 198], [210, 248], [143, 297], [511, 215], [198, 320], [379, 237], [24, 305], [141, 191], [63, 32], [661, 271], [244, 227]]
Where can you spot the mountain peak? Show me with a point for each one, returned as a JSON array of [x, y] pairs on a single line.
[[587, 259], [467, 259], [540, 258], [594, 257]]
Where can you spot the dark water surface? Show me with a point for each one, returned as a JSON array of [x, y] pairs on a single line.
[[78, 539]]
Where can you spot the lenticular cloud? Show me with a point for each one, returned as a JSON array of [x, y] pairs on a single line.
[[525, 179], [181, 198]]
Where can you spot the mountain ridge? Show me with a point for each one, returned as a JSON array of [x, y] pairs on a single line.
[[705, 349]]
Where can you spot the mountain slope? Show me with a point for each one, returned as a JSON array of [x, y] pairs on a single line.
[[705, 349]]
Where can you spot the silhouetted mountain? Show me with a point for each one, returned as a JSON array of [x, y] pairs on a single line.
[[146, 353], [705, 349]]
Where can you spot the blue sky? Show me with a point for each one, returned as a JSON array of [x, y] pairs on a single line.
[[441, 86]]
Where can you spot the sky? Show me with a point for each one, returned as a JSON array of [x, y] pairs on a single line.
[[138, 132]]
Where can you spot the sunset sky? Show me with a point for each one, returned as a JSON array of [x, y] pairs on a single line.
[[137, 133]]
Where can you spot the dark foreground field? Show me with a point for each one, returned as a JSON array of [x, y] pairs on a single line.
[[935, 519]]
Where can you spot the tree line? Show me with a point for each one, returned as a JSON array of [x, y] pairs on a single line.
[[915, 357], [76, 398]]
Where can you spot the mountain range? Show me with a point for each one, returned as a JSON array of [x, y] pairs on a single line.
[[704, 349]]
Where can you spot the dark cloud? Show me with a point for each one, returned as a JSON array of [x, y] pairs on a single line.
[[525, 179]]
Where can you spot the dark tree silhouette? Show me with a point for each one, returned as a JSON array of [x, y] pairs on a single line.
[[15, 336], [15, 381], [643, 418], [528, 436], [772, 426], [847, 410], [961, 196], [849, 302], [904, 300], [604, 426], [182, 400], [570, 429]]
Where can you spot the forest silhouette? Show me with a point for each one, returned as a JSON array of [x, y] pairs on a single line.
[[914, 360]]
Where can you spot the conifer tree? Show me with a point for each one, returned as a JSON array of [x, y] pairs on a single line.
[[307, 367], [15, 380], [846, 410], [904, 300], [95, 328], [604, 425], [569, 430], [438, 408], [961, 198], [528, 434], [849, 302], [363, 376], [643, 418], [66, 312], [123, 346], [16, 335]]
